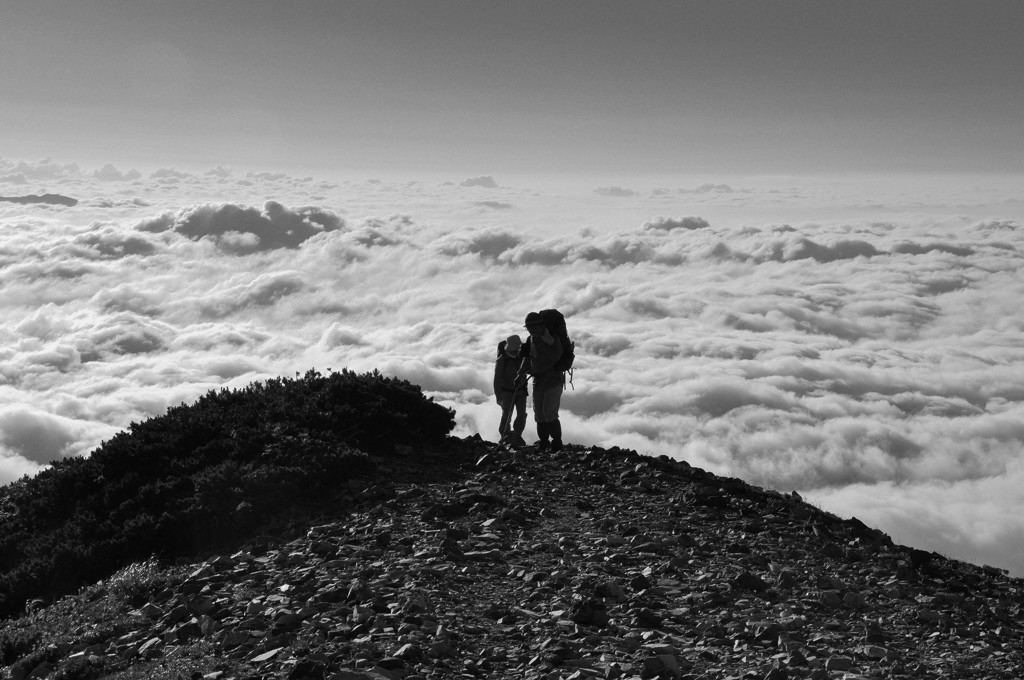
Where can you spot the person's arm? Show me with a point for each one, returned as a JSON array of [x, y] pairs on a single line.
[[525, 363]]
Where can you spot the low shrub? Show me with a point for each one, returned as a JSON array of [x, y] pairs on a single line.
[[174, 485]]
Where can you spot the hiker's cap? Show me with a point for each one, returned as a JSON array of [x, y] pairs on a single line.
[[534, 319], [513, 343]]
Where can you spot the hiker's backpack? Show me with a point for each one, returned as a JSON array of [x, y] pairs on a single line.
[[555, 323]]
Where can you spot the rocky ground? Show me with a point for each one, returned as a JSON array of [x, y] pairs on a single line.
[[590, 563]]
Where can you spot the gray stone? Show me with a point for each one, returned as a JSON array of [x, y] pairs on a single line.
[[838, 663], [589, 612]]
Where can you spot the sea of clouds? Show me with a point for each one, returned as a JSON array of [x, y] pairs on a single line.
[[866, 350]]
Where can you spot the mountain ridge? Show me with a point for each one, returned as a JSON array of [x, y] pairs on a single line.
[[331, 528], [457, 561]]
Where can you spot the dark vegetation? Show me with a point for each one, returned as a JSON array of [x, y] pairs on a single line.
[[202, 476]]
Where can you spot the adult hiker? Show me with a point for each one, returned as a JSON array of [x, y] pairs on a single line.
[[510, 396], [545, 351]]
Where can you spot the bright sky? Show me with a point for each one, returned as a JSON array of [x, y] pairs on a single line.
[[582, 86]]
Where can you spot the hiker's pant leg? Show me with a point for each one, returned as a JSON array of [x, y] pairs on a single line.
[[520, 422], [506, 416], [552, 401], [546, 402]]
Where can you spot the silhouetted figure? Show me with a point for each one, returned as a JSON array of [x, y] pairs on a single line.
[[510, 396], [545, 351]]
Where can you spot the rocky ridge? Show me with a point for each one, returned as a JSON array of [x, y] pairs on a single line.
[[589, 563]]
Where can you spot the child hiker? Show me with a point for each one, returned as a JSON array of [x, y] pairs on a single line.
[[511, 398]]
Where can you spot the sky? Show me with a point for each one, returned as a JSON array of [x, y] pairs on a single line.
[[786, 235], [582, 86]]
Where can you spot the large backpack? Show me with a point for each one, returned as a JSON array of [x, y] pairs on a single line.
[[555, 323]]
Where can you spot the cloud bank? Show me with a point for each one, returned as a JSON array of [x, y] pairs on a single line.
[[874, 365], [240, 229]]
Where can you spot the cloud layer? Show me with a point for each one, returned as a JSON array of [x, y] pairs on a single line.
[[873, 364]]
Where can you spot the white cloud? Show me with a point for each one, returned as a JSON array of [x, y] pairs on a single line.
[[714, 398], [589, 401], [44, 169], [484, 181], [795, 247], [490, 243], [976, 520], [494, 205], [111, 243], [670, 224], [123, 333], [244, 292], [606, 345], [338, 335], [109, 173], [240, 229], [169, 174], [871, 363], [615, 192], [550, 252], [39, 437], [13, 467], [709, 188], [47, 322]]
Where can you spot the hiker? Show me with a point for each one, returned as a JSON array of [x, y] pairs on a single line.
[[509, 395], [545, 350]]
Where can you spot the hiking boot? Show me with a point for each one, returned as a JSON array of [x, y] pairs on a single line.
[[543, 435], [555, 429]]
